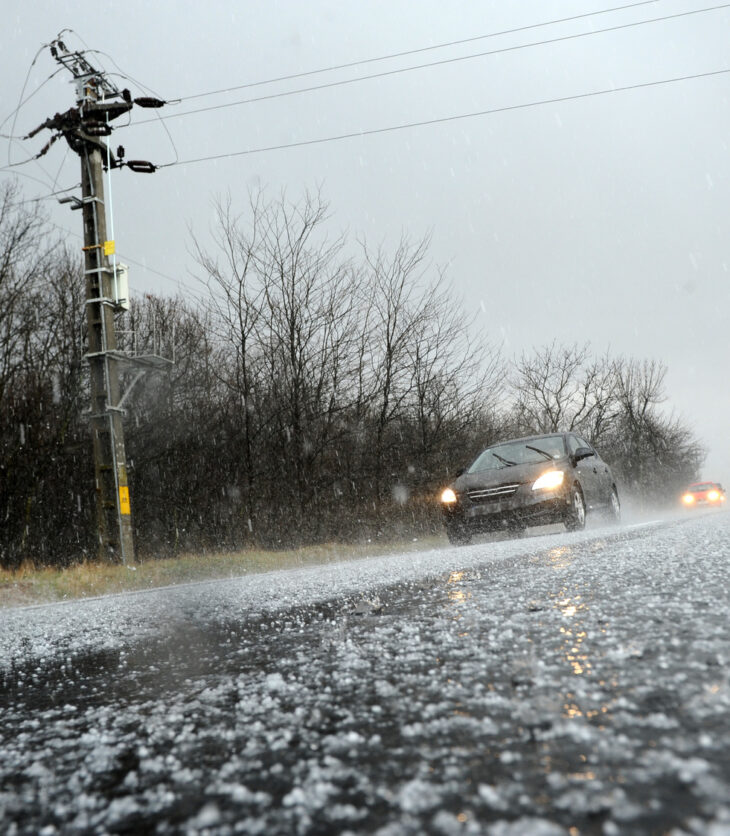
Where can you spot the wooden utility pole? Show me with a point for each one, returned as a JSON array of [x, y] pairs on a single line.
[[114, 512], [98, 102]]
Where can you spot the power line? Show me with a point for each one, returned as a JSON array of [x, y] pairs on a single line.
[[441, 62], [148, 90], [14, 113], [45, 183], [40, 197], [25, 101], [415, 51], [444, 119]]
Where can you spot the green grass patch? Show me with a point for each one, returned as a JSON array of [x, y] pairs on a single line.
[[29, 585]]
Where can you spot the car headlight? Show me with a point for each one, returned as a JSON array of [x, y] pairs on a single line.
[[688, 499], [448, 497], [713, 496], [551, 479]]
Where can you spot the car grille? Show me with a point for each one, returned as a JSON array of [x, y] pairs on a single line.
[[491, 494]]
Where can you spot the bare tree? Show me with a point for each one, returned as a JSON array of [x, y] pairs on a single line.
[[656, 453], [305, 388], [26, 256], [455, 382], [400, 304], [284, 310], [309, 295], [235, 305], [43, 441], [616, 403], [555, 388]]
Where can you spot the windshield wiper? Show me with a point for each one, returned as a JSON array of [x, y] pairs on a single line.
[[504, 461], [538, 450]]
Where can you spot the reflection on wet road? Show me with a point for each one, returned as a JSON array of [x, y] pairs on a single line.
[[577, 687]]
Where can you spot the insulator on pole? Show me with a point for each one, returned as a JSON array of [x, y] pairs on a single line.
[[141, 166], [149, 101], [97, 128]]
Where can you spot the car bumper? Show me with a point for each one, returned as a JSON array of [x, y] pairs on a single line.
[[524, 508]]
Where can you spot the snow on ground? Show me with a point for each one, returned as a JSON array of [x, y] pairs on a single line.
[[567, 684], [109, 622]]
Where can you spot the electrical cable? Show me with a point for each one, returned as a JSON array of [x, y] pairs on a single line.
[[415, 51], [15, 170], [122, 74], [393, 128], [14, 115], [444, 119], [442, 62], [125, 75], [40, 197], [563, 38], [60, 168], [25, 101], [28, 176]]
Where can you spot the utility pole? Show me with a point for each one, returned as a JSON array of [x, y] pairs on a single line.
[[114, 513], [98, 101]]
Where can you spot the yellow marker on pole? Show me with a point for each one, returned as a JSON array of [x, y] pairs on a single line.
[[124, 506], [109, 248]]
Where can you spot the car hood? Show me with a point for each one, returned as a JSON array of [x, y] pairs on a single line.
[[514, 474]]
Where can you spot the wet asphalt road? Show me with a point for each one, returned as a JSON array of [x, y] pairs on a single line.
[[565, 684]]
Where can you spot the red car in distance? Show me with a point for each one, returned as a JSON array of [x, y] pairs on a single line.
[[704, 495]]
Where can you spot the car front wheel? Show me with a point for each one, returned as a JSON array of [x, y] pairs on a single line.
[[614, 508], [576, 517]]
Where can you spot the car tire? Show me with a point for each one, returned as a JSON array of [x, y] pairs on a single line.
[[459, 535], [575, 519], [613, 511]]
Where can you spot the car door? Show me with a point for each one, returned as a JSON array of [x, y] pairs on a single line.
[[604, 479], [587, 472]]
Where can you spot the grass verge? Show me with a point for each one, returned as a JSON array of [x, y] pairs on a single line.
[[28, 585]]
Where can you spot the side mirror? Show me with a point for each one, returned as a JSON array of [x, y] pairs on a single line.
[[582, 453], [459, 471]]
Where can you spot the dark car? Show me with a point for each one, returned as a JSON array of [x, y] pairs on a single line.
[[537, 480]]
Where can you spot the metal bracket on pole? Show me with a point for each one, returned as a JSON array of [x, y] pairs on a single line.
[[78, 202], [143, 362], [97, 415], [135, 380], [102, 300]]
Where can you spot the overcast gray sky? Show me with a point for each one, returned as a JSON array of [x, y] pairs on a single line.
[[602, 218]]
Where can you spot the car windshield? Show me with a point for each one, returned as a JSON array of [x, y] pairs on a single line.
[[527, 451], [705, 486]]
